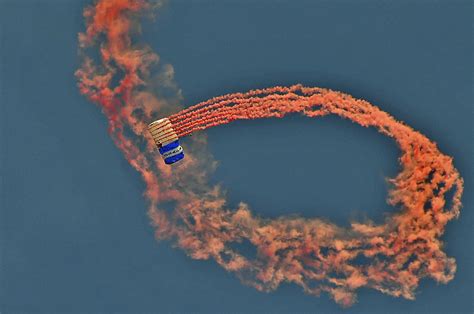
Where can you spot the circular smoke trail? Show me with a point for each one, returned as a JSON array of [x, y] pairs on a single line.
[[313, 253]]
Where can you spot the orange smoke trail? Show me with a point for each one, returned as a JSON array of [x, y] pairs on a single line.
[[317, 255]]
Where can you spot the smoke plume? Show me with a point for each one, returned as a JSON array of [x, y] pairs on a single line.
[[315, 254]]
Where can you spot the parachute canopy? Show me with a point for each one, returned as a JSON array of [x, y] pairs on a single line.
[[166, 140]]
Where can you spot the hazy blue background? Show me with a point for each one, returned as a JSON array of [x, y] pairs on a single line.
[[74, 231]]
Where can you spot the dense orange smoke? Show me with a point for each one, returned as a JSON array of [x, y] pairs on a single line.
[[315, 254]]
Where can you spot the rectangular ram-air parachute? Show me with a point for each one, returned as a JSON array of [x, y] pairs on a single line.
[[166, 140]]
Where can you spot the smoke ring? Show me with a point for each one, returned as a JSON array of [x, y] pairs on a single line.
[[313, 253]]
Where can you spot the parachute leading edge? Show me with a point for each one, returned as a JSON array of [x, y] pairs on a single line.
[[166, 140]]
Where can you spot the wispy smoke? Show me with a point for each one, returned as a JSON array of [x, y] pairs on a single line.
[[315, 254]]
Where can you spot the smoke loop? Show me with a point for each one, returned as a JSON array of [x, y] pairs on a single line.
[[315, 254]]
